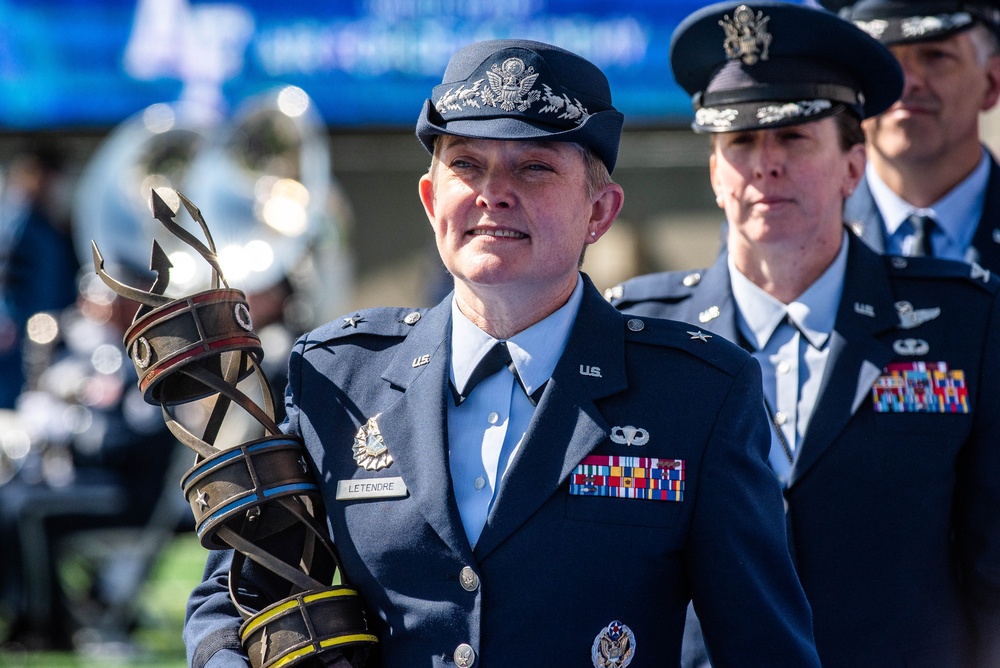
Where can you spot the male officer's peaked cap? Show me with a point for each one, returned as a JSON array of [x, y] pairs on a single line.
[[523, 90], [902, 22], [762, 65]]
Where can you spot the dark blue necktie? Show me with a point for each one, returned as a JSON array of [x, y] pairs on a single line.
[[923, 227]]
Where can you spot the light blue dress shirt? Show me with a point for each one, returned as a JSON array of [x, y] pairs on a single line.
[[486, 431], [957, 214], [790, 341]]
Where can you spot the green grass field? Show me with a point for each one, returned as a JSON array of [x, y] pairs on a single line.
[[157, 641]]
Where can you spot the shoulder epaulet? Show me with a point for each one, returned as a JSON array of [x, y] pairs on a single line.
[[938, 269], [687, 337], [381, 321], [650, 287]]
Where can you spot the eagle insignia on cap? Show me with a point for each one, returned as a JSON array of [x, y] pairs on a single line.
[[510, 85], [746, 35]]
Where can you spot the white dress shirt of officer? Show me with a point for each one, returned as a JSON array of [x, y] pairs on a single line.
[[558, 512], [926, 156]]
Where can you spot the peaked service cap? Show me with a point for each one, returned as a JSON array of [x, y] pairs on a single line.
[[899, 22], [515, 89], [762, 65]]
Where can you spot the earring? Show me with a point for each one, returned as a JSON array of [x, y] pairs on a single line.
[[593, 234]]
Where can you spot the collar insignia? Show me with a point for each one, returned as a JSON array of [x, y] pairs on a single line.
[[709, 314], [864, 309], [979, 272]]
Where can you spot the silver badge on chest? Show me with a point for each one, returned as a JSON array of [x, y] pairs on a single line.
[[613, 647], [370, 450]]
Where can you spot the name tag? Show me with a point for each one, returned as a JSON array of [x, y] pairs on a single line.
[[373, 488]]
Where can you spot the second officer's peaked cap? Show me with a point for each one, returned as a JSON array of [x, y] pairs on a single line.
[[523, 90], [763, 65], [901, 22]]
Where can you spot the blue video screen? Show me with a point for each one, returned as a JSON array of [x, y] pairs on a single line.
[[365, 63]]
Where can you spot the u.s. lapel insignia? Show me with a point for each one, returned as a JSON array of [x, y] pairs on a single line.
[[910, 317], [370, 450], [421, 361], [613, 647], [864, 309], [709, 314], [629, 435]]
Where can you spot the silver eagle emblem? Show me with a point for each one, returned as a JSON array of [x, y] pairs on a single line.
[[746, 35], [509, 86]]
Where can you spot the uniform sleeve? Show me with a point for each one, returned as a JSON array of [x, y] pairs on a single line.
[[977, 508], [212, 623], [744, 585]]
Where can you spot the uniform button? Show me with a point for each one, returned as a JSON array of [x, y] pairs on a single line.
[[636, 325], [464, 656], [784, 367], [780, 418], [492, 417], [469, 579], [480, 482]]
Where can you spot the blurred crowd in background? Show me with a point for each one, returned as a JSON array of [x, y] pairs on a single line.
[[88, 470]]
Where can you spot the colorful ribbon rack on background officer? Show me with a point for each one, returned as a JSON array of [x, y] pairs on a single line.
[[880, 373], [521, 474], [258, 497]]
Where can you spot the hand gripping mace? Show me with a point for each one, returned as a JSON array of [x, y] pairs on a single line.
[[255, 496]]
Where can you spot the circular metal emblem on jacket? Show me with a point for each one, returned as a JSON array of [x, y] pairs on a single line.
[[464, 656], [613, 647]]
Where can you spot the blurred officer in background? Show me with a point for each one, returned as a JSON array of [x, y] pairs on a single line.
[[97, 455], [880, 373], [931, 187], [37, 266]]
